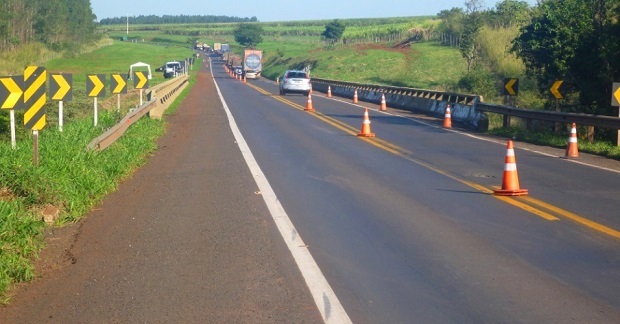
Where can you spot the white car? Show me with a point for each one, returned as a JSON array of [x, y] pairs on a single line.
[[295, 81]]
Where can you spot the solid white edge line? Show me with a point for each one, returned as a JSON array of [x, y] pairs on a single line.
[[324, 297]]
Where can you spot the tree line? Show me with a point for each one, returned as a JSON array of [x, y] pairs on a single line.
[[575, 41], [171, 19], [59, 24]]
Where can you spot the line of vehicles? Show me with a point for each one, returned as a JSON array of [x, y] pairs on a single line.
[[249, 66]]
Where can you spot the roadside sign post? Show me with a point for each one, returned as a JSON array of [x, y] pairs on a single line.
[[140, 81], [118, 85], [35, 147], [13, 137], [615, 101], [60, 90], [557, 94], [95, 87], [11, 97], [510, 90], [60, 115]]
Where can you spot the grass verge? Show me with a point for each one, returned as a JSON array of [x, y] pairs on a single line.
[[69, 179]]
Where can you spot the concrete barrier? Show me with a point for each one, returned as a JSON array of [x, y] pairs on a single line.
[[434, 103]]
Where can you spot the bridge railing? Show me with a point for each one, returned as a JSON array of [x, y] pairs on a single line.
[[469, 109]]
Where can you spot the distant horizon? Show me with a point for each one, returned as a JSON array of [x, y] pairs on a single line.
[[273, 10], [260, 21]]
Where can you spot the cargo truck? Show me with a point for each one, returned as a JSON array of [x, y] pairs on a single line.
[[234, 62], [225, 48], [252, 63], [217, 47]]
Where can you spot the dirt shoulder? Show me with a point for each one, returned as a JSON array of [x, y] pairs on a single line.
[[186, 239]]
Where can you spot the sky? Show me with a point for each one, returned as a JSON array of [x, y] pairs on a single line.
[[279, 10]]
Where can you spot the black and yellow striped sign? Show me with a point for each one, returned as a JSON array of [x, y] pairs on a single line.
[[140, 80], [11, 92], [118, 84], [35, 97], [61, 86], [95, 85]]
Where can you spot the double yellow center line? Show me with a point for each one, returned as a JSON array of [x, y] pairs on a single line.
[[537, 207]]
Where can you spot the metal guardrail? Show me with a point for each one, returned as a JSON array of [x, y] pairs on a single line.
[[115, 132], [607, 122], [167, 91]]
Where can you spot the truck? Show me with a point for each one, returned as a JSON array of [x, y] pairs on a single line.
[[234, 62], [225, 48], [252, 63], [217, 48]]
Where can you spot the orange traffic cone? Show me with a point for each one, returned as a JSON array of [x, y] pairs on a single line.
[[365, 132], [510, 183], [309, 103], [447, 121], [329, 91], [383, 104], [355, 96], [244, 81], [572, 149]]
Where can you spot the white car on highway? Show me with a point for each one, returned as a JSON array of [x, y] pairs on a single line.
[[295, 81]]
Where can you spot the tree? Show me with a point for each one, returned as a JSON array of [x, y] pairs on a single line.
[[574, 41], [472, 23], [249, 35], [509, 13], [59, 24], [334, 31], [451, 25]]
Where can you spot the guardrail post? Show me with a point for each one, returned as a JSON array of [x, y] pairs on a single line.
[[590, 134], [506, 121]]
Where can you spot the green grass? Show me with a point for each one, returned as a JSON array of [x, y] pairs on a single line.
[[117, 59], [68, 176], [425, 65]]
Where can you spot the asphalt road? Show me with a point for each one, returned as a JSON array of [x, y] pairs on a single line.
[[402, 230], [402, 226]]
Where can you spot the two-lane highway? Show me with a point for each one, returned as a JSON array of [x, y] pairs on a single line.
[[255, 211], [404, 226]]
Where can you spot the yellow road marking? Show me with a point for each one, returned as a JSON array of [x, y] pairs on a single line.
[[574, 217], [526, 203]]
